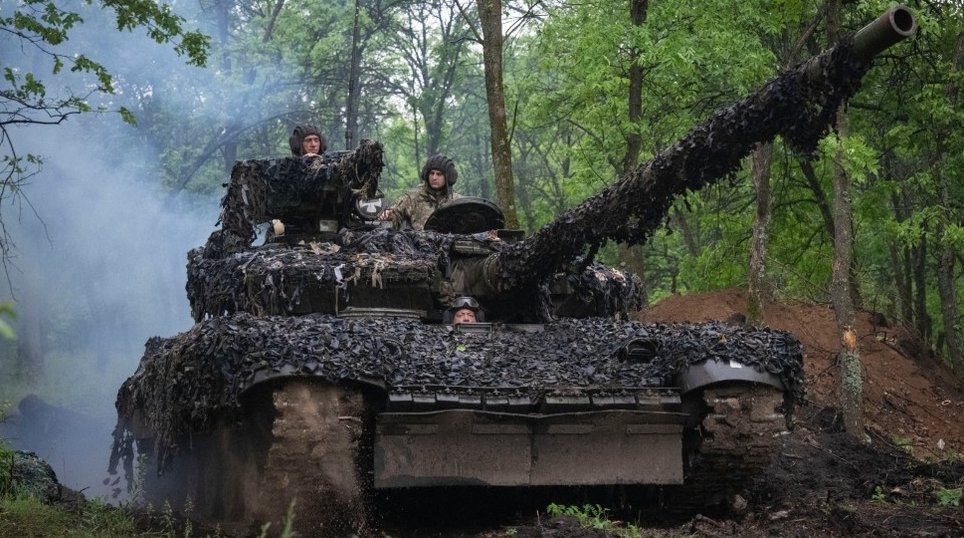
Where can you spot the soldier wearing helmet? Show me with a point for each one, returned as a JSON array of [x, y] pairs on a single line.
[[307, 141], [414, 208], [464, 310]]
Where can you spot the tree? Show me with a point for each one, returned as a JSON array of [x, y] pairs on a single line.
[[850, 389], [40, 27], [490, 17], [430, 41], [949, 236], [759, 288]]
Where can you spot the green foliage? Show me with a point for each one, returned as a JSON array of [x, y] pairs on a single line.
[[42, 25], [589, 515], [594, 516], [7, 311], [949, 497], [27, 516], [40, 31]]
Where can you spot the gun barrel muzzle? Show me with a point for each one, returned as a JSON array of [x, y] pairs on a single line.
[[894, 25]]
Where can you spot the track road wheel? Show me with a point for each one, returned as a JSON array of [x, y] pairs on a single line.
[[739, 434]]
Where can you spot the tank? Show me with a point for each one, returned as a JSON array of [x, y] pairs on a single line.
[[321, 370]]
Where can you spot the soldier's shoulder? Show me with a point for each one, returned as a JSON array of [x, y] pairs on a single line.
[[409, 195]]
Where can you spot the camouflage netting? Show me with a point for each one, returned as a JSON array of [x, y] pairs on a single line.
[[244, 206], [619, 292], [270, 280], [190, 383], [799, 105]]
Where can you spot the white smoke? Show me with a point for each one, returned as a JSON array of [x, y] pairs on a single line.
[[100, 256]]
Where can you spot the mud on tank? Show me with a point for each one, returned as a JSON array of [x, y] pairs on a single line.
[[318, 368]]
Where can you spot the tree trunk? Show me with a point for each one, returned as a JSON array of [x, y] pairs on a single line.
[[951, 317], [760, 290], [633, 260], [354, 86], [490, 15], [690, 237], [272, 19], [760, 293], [819, 196], [922, 319], [945, 265], [30, 333], [900, 263], [634, 142], [850, 390]]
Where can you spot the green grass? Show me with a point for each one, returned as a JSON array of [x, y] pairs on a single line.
[[596, 517], [24, 516], [949, 497]]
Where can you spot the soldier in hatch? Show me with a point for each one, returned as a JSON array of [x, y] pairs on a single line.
[[465, 309], [414, 208], [307, 141]]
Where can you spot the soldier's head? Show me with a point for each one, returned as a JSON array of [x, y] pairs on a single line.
[[439, 172], [307, 140], [465, 309]]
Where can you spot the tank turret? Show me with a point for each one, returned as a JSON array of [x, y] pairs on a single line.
[[319, 369]]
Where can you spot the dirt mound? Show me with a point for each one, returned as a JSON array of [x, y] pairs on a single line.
[[904, 480], [910, 398]]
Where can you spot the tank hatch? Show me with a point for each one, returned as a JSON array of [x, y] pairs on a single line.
[[466, 215]]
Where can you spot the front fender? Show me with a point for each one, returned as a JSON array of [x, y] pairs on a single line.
[[713, 371]]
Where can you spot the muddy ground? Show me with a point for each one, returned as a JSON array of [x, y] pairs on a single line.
[[902, 480]]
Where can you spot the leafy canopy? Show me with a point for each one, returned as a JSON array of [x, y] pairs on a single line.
[[41, 29]]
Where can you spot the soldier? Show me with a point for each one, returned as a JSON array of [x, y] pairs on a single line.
[[307, 141], [414, 208], [465, 309]]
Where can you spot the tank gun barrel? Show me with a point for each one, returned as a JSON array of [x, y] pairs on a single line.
[[800, 104], [893, 26]]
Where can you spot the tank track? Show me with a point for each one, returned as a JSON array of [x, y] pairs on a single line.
[[741, 431], [313, 460]]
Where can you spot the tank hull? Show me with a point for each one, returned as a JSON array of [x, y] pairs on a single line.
[[325, 412]]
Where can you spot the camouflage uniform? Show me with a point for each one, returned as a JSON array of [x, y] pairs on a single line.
[[418, 204]]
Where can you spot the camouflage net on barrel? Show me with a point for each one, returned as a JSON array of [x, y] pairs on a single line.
[[190, 383], [799, 104]]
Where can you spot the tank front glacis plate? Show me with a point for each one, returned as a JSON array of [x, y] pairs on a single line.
[[204, 371]]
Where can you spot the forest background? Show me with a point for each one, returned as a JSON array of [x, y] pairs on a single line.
[[108, 184]]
